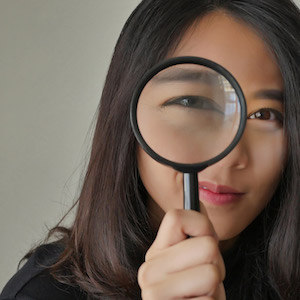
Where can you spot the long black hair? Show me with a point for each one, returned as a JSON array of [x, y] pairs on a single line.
[[111, 232]]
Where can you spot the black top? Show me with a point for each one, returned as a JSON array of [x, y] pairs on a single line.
[[33, 281]]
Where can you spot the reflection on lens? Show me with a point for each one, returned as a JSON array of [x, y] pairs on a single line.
[[188, 113]]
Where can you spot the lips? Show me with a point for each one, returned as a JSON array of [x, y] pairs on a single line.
[[220, 189], [218, 194]]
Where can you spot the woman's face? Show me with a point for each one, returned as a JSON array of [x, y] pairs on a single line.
[[253, 168]]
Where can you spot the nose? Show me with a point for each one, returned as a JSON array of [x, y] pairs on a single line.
[[238, 158]]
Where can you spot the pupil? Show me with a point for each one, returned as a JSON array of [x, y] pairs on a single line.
[[263, 115]]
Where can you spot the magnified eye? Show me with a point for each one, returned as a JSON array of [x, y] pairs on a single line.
[[267, 114], [195, 102]]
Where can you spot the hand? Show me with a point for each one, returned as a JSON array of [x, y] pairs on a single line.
[[178, 267]]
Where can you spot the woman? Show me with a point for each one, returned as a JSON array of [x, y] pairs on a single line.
[[127, 197]]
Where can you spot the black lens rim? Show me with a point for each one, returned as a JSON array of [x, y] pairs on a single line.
[[187, 168]]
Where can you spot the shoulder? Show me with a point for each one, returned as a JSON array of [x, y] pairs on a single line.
[[34, 282]]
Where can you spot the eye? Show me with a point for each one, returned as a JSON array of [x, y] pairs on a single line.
[[195, 102], [267, 114]]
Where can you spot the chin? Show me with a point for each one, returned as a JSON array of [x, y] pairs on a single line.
[[227, 230]]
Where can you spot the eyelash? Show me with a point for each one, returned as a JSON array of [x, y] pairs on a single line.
[[278, 115], [203, 103]]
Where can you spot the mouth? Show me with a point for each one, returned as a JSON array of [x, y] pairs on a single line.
[[218, 194]]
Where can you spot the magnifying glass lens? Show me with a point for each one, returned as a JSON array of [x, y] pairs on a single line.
[[188, 113]]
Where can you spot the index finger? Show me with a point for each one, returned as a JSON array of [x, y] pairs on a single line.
[[177, 225]]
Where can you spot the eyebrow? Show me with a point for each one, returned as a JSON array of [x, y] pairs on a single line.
[[271, 94], [209, 77], [186, 76]]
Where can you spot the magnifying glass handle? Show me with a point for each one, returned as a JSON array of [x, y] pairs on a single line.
[[191, 191]]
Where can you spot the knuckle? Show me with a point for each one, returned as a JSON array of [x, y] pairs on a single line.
[[205, 227], [143, 275], [211, 248], [223, 272], [149, 254], [210, 252], [149, 294], [213, 276], [173, 216]]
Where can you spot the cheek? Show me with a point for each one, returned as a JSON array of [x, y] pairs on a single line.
[[163, 184], [268, 157], [259, 179]]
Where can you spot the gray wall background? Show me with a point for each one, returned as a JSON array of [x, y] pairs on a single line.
[[54, 55]]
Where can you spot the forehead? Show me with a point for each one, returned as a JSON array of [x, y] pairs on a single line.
[[234, 45]]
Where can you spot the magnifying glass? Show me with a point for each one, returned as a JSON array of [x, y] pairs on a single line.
[[188, 113]]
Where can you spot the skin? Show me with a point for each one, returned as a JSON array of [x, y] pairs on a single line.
[[252, 168]]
